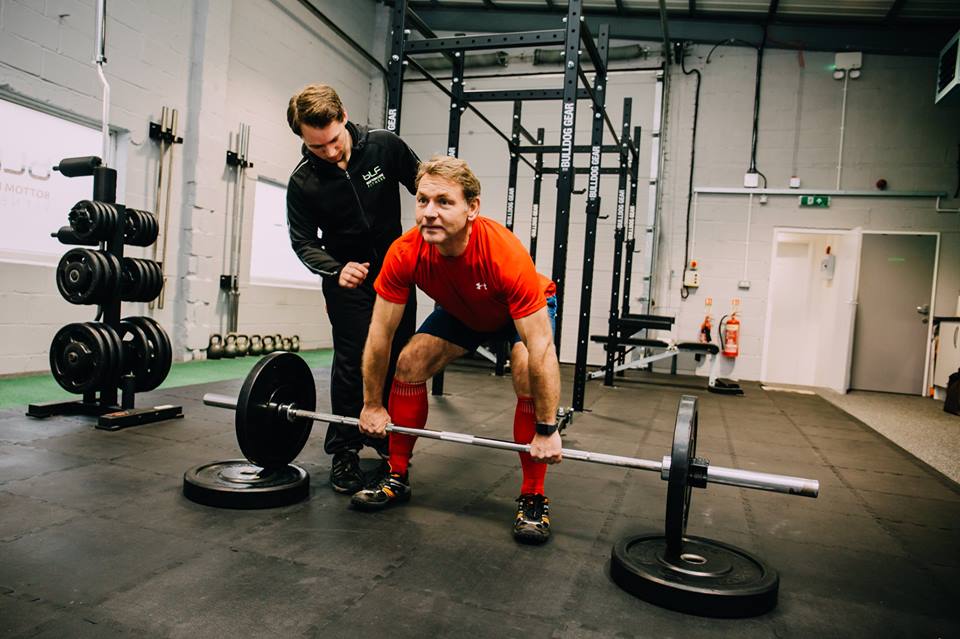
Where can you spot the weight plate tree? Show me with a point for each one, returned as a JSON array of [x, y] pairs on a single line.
[[98, 359]]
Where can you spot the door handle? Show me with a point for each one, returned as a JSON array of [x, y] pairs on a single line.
[[924, 310]]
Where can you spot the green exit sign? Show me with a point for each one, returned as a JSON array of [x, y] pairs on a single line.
[[815, 201]]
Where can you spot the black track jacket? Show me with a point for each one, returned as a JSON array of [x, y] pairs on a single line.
[[357, 211]]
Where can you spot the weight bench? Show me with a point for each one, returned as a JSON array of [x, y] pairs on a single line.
[[671, 349]]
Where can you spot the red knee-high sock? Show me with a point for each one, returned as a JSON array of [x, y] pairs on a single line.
[[524, 428], [407, 407]]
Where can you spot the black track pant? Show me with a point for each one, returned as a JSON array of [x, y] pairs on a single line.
[[350, 311]]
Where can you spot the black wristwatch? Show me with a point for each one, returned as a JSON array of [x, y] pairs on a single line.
[[545, 429]]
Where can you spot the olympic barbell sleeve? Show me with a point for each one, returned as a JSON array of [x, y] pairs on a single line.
[[220, 401], [715, 474]]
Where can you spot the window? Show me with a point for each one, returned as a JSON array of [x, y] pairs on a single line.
[[35, 199], [272, 260]]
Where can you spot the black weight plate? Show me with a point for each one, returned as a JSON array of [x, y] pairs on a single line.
[[112, 217], [114, 356], [239, 484], [161, 347], [151, 228], [150, 292], [678, 484], [163, 341], [140, 293], [83, 219], [152, 372], [140, 355], [266, 437], [79, 276], [105, 293], [112, 287], [77, 358], [132, 223], [709, 578], [108, 220], [127, 279], [158, 279], [114, 338], [150, 281], [108, 356], [140, 228]]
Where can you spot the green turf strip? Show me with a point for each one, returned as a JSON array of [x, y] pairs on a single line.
[[31, 389]]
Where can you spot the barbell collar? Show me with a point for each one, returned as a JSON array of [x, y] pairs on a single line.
[[715, 474]]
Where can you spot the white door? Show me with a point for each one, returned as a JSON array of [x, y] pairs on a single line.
[[811, 311]]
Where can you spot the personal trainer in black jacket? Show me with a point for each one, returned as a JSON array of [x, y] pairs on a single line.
[[346, 190]]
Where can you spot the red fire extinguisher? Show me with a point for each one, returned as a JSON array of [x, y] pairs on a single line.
[[730, 332]]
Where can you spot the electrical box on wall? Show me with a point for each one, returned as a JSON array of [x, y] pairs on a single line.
[[691, 277], [948, 73], [828, 264]]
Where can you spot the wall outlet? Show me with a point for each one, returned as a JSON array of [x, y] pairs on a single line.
[[744, 284], [751, 180], [794, 182], [691, 279]]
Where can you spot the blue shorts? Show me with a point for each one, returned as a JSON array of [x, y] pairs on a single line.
[[442, 324]]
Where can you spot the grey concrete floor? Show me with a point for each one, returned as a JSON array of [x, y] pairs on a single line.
[[916, 424], [97, 541]]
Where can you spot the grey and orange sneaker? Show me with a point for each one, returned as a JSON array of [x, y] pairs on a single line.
[[393, 488], [532, 525]]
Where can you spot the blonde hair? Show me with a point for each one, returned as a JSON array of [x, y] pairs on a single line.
[[315, 105], [453, 169]]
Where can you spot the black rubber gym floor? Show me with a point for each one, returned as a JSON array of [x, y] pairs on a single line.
[[97, 541]]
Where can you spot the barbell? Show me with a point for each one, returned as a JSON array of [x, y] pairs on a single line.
[[275, 411]]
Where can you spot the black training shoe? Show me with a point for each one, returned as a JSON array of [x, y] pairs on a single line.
[[345, 475], [393, 488], [532, 525]]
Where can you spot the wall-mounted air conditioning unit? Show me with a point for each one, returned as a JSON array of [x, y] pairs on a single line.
[[948, 73]]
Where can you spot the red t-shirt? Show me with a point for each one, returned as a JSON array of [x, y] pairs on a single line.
[[492, 283]]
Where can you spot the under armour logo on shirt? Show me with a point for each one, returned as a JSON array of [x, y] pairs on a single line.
[[481, 285]]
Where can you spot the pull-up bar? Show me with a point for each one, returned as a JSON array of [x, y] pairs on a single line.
[[467, 105]]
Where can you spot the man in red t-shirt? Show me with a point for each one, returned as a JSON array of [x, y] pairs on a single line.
[[486, 286]]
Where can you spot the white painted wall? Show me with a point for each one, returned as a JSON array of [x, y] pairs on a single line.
[[893, 131], [218, 62]]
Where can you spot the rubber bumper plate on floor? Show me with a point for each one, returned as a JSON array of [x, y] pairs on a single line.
[[709, 578], [239, 484]]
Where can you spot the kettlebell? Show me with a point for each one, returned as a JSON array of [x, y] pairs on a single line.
[[278, 342], [230, 349], [215, 347], [243, 345], [287, 345], [256, 345], [267, 344], [295, 343]]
